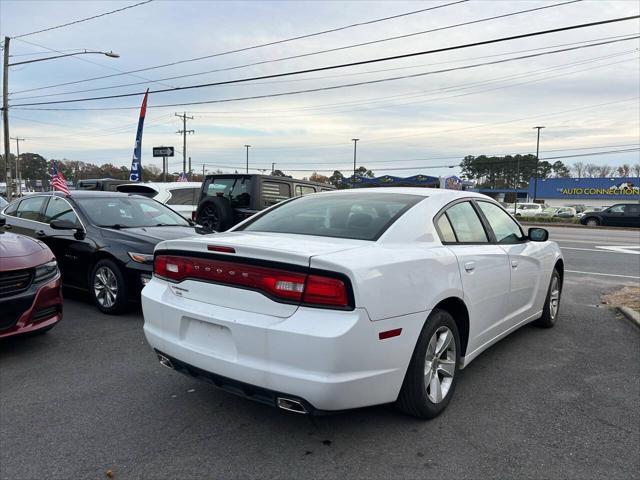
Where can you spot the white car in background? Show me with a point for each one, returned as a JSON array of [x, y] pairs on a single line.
[[180, 196], [528, 209], [346, 299]]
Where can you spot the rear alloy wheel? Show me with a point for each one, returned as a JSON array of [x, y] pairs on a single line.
[[593, 222], [108, 287], [552, 304], [431, 377]]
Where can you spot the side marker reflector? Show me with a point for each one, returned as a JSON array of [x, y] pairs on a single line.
[[390, 333]]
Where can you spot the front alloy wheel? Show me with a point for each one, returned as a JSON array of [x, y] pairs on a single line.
[[105, 287], [592, 222], [108, 287]]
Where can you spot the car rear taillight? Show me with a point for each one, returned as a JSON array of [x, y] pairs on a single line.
[[277, 283]]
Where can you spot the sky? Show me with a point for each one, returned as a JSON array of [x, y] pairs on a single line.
[[588, 99]]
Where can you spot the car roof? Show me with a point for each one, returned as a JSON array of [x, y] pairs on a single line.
[[439, 193], [162, 185]]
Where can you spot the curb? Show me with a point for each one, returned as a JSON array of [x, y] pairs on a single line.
[[631, 314]]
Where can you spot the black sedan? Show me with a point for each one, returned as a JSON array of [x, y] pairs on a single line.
[[103, 241]]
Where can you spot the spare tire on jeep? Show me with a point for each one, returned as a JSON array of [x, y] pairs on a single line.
[[215, 214]]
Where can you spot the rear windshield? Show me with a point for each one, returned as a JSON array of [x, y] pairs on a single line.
[[360, 217], [236, 189]]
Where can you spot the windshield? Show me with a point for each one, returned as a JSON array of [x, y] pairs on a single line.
[[550, 210], [126, 212], [360, 217]]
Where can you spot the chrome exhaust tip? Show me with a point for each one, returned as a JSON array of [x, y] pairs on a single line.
[[164, 361], [291, 405]]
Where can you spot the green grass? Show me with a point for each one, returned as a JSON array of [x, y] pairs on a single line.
[[547, 220]]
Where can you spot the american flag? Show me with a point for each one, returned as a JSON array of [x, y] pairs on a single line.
[[183, 177], [57, 179]]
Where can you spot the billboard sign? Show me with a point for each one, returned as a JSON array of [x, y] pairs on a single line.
[[620, 188]]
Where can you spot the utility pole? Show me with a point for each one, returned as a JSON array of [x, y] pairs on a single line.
[[18, 176], [5, 115], [203, 172], [535, 181], [184, 132], [273, 167], [189, 176], [247, 147], [355, 143]]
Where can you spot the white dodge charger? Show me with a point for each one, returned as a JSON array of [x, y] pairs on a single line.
[[346, 299]]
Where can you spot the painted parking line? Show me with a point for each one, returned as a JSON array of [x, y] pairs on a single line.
[[599, 251], [633, 249], [603, 274]]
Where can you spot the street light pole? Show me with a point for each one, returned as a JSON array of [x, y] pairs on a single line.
[[247, 147], [535, 182], [5, 97], [355, 143]]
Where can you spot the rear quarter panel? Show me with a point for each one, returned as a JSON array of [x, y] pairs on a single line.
[[396, 279]]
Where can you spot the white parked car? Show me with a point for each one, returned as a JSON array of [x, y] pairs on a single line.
[[345, 299], [179, 196], [528, 209]]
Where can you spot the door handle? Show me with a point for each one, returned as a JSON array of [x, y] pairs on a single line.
[[514, 264], [40, 233], [470, 266]]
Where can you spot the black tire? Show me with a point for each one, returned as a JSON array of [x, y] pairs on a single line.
[[414, 398], [550, 314], [592, 222], [215, 215], [114, 304]]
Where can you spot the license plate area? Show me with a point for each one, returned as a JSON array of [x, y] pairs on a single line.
[[208, 338]]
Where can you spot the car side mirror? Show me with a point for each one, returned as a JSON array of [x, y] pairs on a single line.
[[62, 225], [538, 234]]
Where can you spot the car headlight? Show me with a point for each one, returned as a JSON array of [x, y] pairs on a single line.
[[141, 257], [46, 271]]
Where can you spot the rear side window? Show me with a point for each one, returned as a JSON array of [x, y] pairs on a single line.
[[182, 196], [357, 216], [274, 192], [504, 227], [30, 207], [445, 229], [466, 224], [633, 210]]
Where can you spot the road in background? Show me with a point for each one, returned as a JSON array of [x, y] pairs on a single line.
[[603, 255]]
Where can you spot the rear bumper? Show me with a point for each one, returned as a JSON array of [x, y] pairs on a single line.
[[37, 308], [331, 360]]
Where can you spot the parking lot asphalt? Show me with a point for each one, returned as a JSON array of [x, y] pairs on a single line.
[[89, 397]]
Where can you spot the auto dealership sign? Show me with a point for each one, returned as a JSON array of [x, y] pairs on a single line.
[[621, 188]]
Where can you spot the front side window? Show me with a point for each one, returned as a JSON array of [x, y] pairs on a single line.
[[357, 216], [616, 209], [504, 227], [126, 212], [304, 190], [30, 208], [466, 224], [59, 209]]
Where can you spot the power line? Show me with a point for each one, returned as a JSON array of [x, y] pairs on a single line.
[[291, 57], [83, 19], [340, 66], [244, 49], [338, 75]]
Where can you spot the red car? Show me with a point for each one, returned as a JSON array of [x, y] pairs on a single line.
[[30, 286]]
